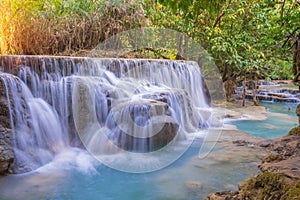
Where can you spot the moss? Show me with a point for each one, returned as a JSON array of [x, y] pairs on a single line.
[[247, 188], [273, 157], [265, 186], [270, 185], [293, 193], [295, 131]]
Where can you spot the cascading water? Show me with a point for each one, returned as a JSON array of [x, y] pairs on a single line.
[[109, 105], [37, 132]]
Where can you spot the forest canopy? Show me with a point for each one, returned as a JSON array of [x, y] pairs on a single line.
[[255, 38]]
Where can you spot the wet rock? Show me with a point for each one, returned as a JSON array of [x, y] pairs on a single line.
[[142, 126], [167, 133], [272, 157], [6, 149], [242, 143], [194, 186], [270, 91], [6, 161], [286, 146], [289, 168], [273, 98], [167, 127], [228, 195], [280, 95], [7, 157], [280, 172], [265, 143], [298, 110]]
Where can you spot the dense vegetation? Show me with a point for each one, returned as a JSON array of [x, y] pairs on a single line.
[[62, 27], [249, 39]]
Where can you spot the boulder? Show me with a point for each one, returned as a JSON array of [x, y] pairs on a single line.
[[142, 126], [194, 186], [168, 129]]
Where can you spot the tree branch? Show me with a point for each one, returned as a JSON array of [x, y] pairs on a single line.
[[290, 36], [282, 11], [218, 20]]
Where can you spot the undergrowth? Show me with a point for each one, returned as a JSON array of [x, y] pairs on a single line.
[[61, 27]]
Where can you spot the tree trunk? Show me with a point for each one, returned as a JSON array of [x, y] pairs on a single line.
[[244, 92], [254, 91], [296, 61]]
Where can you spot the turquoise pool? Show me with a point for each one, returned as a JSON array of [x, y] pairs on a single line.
[[281, 118], [76, 175]]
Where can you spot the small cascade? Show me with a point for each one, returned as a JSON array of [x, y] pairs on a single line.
[[106, 105], [37, 134], [276, 91]]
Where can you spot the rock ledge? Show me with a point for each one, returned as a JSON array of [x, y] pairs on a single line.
[[280, 172]]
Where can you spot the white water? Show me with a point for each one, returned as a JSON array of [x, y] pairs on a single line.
[[37, 132], [96, 101], [79, 98]]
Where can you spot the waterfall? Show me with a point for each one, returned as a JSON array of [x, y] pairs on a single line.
[[37, 134], [106, 105]]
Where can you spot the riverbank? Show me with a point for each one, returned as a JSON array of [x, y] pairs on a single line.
[[279, 171], [233, 111], [279, 176]]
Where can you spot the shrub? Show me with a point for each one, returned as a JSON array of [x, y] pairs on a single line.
[[61, 27]]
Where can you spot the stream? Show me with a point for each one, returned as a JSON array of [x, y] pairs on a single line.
[[74, 174], [111, 107]]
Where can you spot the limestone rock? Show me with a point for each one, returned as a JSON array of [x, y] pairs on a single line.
[[229, 195], [295, 131], [298, 110], [6, 149], [194, 186], [168, 129], [143, 126], [280, 173]]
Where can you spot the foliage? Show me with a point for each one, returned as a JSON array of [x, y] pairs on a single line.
[[246, 38], [62, 27]]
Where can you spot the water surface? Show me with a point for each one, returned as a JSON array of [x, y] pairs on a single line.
[[281, 118]]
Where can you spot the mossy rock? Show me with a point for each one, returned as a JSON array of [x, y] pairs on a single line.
[[293, 193], [265, 186], [295, 131], [273, 157], [298, 110], [270, 185]]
